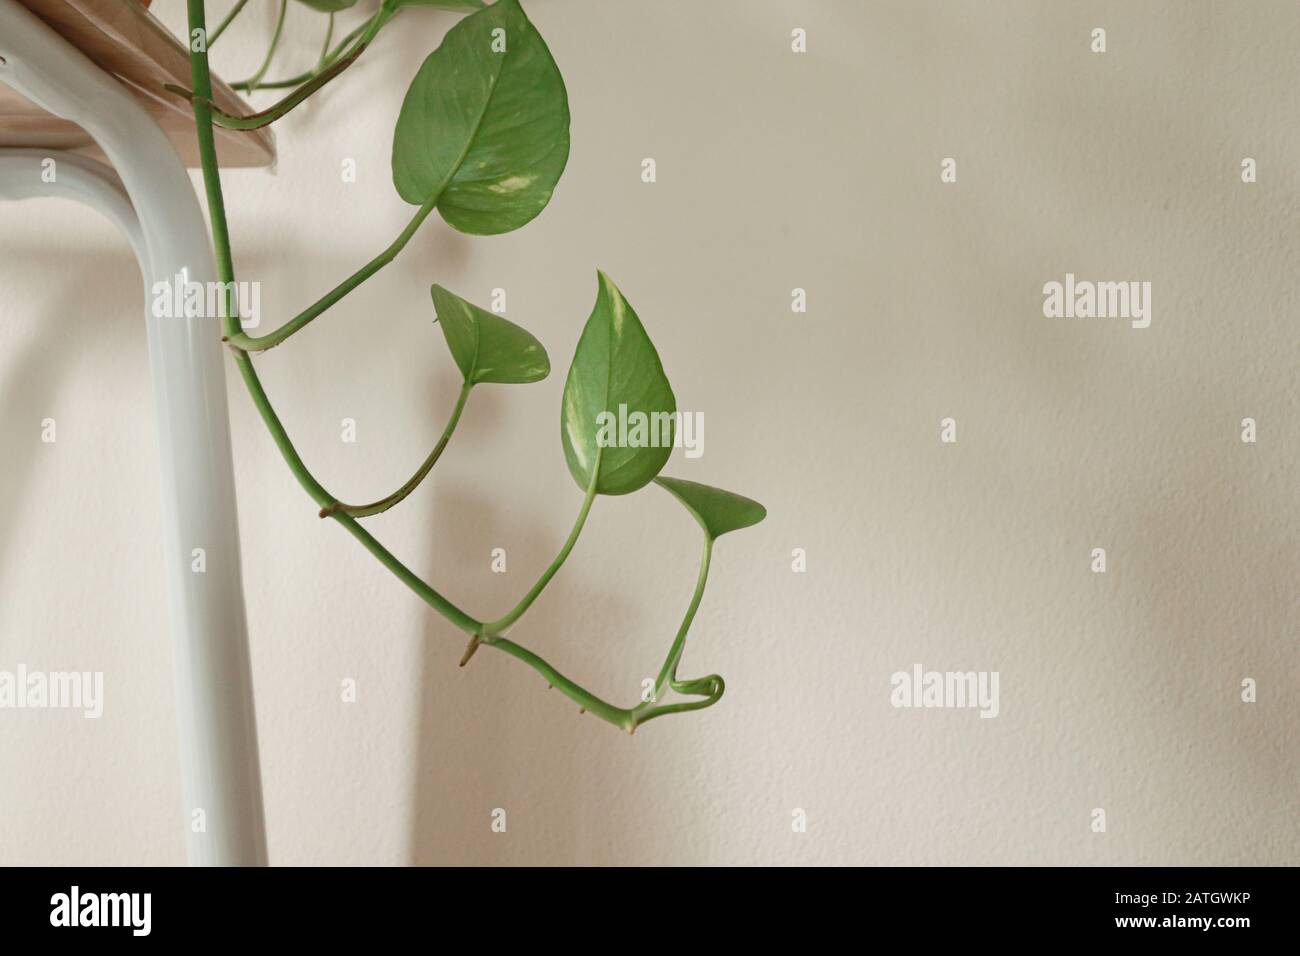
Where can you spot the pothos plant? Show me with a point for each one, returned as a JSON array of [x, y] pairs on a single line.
[[482, 137]]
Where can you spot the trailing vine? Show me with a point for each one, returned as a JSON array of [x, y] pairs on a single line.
[[483, 137]]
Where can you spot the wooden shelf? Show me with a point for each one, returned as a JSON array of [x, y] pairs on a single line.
[[125, 40]]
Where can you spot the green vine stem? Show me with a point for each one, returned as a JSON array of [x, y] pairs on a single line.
[[230, 17], [383, 504], [669, 671], [314, 82], [588, 702], [202, 80], [710, 688], [270, 53], [480, 633], [325, 47], [238, 339], [334, 54], [496, 627]]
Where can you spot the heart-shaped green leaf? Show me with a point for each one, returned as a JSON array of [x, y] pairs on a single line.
[[617, 400], [487, 347], [484, 128], [716, 510], [329, 6]]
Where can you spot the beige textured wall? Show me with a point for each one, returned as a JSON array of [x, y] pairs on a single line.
[[775, 170]]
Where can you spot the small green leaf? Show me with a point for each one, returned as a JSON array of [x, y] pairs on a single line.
[[329, 6], [487, 347], [716, 510], [616, 400], [484, 128]]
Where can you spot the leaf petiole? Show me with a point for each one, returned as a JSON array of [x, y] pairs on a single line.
[[243, 342], [333, 55], [669, 671], [315, 82], [383, 504], [492, 629], [270, 53], [221, 28], [710, 688], [325, 46]]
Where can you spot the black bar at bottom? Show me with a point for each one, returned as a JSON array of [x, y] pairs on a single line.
[[588, 906]]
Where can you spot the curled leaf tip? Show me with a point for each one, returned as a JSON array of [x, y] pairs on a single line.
[[717, 511]]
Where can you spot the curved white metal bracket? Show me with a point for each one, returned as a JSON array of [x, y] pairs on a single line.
[[42, 173], [154, 205]]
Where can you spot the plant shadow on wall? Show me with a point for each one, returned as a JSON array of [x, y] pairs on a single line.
[[79, 320], [463, 769], [483, 137], [28, 389]]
